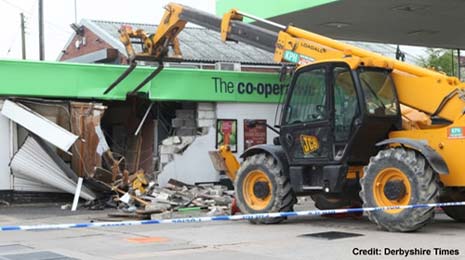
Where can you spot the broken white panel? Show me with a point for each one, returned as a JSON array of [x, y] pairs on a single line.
[[77, 194], [102, 146], [126, 198], [34, 163], [4, 152], [39, 125], [21, 183]]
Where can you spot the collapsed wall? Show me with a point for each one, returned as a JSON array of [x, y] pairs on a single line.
[[194, 137], [185, 158]]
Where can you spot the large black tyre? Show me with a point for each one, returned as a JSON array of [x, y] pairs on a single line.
[[453, 195], [399, 176], [324, 201], [276, 196], [337, 201], [349, 197]]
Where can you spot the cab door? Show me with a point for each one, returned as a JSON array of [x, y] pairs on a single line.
[[306, 134]]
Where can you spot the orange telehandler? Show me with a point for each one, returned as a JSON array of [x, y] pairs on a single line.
[[342, 136]]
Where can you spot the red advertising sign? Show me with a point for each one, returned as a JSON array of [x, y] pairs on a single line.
[[254, 132]]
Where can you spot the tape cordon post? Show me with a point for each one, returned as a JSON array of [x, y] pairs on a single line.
[[223, 218]]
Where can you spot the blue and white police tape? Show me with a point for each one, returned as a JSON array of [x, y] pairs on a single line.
[[224, 218]]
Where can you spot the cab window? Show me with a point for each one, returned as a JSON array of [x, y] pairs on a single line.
[[308, 101], [345, 103], [378, 90]]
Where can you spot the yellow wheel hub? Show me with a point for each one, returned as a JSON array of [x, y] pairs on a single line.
[[257, 190], [392, 188]]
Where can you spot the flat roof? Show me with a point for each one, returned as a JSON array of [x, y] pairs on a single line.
[[429, 23]]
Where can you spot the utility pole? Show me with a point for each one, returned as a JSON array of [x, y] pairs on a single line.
[[23, 36], [75, 11], [453, 63], [459, 65], [41, 30]]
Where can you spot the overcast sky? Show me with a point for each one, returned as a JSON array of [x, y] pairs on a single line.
[[59, 14]]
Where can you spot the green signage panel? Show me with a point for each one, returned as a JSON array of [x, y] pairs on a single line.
[[89, 81], [217, 86]]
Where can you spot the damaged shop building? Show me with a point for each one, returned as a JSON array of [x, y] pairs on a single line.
[[57, 125]]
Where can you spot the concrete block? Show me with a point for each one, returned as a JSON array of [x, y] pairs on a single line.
[[182, 122], [164, 215], [206, 115], [177, 148], [177, 122], [191, 123], [206, 107], [185, 113], [158, 206], [206, 122], [172, 140], [168, 149], [166, 158], [186, 140], [186, 131]]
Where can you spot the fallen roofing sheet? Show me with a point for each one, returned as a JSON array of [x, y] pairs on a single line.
[[39, 125], [35, 161]]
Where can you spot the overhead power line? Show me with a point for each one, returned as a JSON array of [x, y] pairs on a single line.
[[31, 13]]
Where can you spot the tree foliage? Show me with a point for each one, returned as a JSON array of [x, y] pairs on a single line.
[[440, 60]]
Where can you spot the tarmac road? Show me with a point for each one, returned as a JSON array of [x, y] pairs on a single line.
[[443, 239]]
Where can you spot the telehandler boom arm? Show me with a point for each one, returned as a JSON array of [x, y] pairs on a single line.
[[426, 90]]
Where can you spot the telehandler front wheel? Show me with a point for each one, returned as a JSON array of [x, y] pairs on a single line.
[[261, 187], [399, 177]]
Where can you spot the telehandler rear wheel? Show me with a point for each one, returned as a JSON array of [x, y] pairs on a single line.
[[452, 195], [261, 187], [396, 177]]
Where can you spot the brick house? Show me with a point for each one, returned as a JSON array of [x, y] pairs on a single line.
[[98, 42]]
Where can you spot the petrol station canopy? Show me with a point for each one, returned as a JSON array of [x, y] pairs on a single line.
[[429, 23]]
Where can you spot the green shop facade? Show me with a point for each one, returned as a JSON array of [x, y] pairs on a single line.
[[183, 113]]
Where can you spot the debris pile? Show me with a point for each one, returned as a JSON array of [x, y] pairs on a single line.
[[112, 157], [144, 200]]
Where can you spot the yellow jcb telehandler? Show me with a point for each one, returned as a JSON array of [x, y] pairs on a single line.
[[342, 136]]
